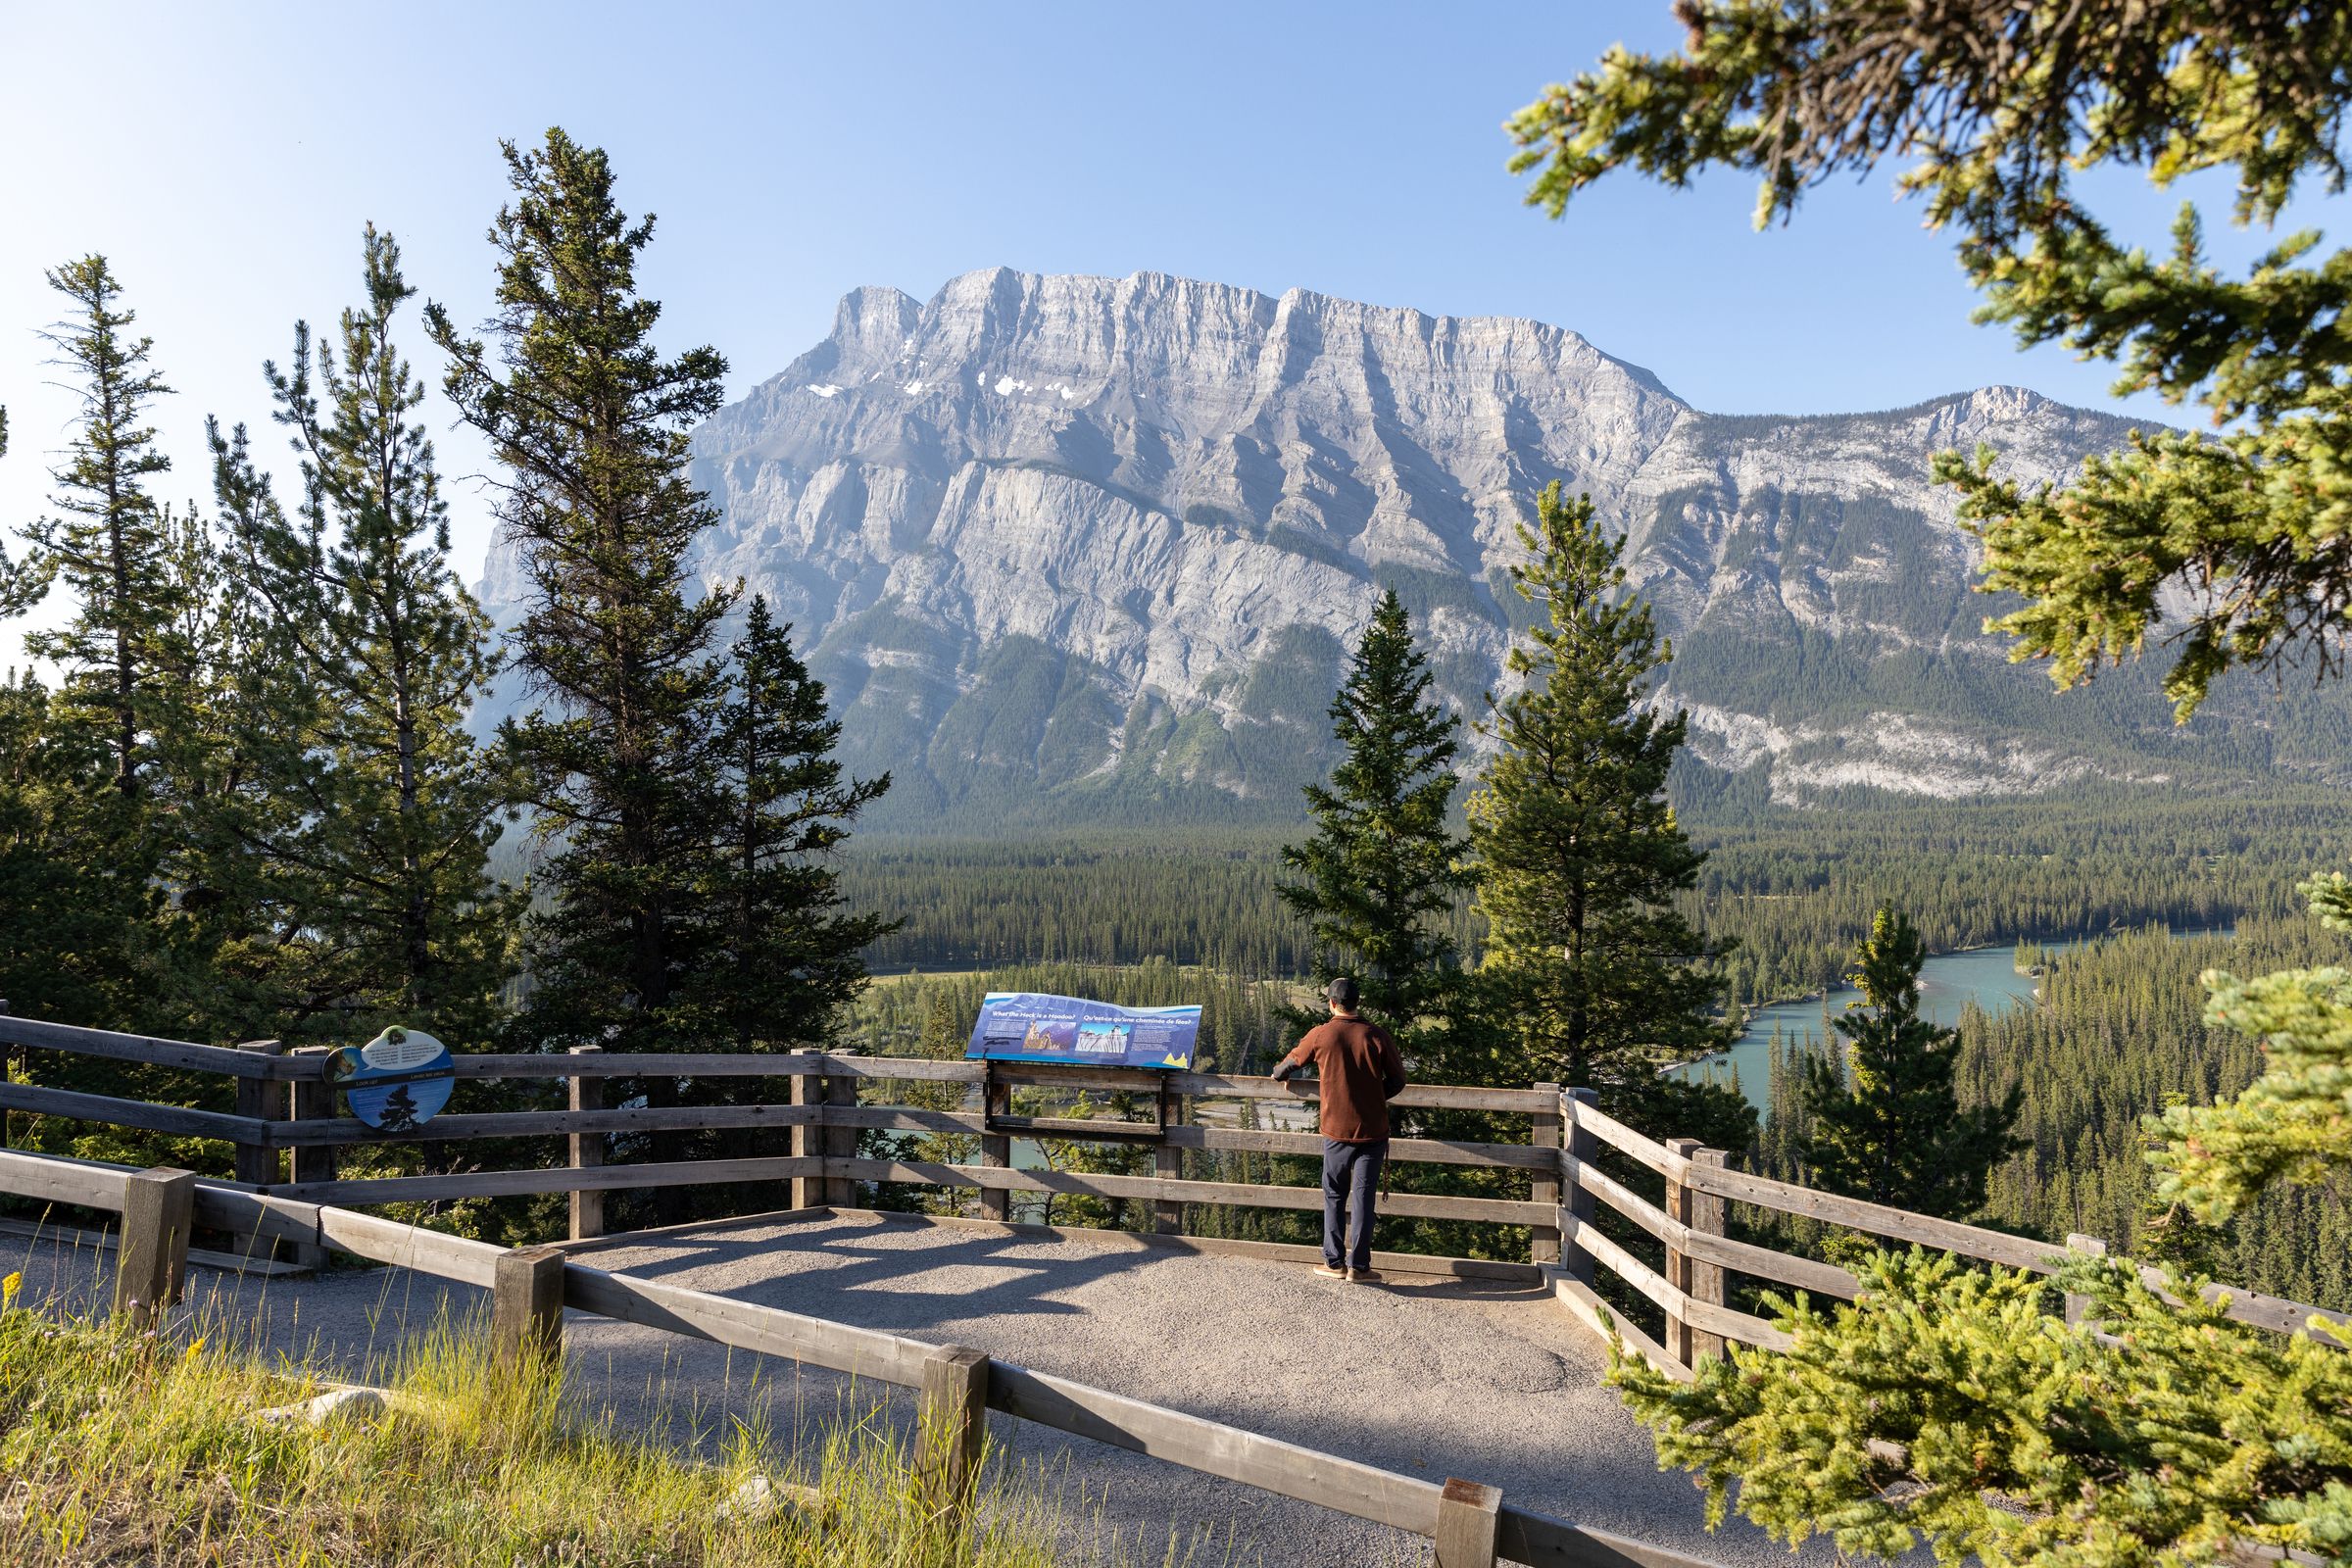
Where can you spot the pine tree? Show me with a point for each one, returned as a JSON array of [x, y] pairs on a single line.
[[792, 958], [1592, 970], [365, 812], [1383, 864], [110, 544], [621, 762], [2008, 113], [1884, 1122]]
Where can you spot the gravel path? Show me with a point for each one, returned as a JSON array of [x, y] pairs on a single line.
[[1487, 1381]]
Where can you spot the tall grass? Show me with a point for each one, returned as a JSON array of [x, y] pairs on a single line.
[[151, 1448]]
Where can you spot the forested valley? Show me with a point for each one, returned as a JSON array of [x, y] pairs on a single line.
[[1794, 887]]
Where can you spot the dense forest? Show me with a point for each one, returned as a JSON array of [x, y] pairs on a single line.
[[1796, 886]]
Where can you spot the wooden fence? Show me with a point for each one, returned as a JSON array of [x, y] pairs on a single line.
[[531, 1288], [285, 1115], [285, 1112], [1691, 1290]]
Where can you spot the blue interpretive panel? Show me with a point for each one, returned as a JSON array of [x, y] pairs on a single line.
[[396, 1081], [1031, 1026]]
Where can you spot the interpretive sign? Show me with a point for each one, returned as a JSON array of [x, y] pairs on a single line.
[[396, 1081], [1031, 1026]]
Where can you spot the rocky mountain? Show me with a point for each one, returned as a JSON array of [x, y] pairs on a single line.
[[1082, 547]]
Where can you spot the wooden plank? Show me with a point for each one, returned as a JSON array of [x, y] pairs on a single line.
[[1673, 1302], [59, 1181], [1586, 1307], [1448, 1096], [715, 1064], [1681, 1341], [1544, 1135], [840, 1140], [553, 1179], [1578, 1149], [313, 1102], [1625, 1201], [1410, 1151], [1051, 1074], [111, 1045], [953, 1424], [1586, 1116], [1969, 1241], [1168, 1163], [853, 1065], [1703, 1214], [346, 1130], [74, 1238], [1823, 1279], [584, 1147], [1212, 1447], [139, 1114], [1411, 1206], [903, 1120], [159, 1213], [807, 1141], [527, 1306], [411, 1247], [766, 1330], [996, 1148], [264, 1101], [1467, 1515], [1542, 1541], [1080, 1129]]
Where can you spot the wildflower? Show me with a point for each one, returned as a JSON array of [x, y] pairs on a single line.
[[9, 1287]]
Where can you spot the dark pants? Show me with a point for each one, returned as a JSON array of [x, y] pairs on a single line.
[[1350, 1176]]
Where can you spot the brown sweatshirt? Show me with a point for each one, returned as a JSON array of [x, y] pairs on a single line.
[[1360, 1073]]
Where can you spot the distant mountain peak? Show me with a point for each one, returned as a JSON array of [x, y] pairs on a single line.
[[1067, 545]]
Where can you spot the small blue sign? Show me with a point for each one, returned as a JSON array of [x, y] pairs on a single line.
[[396, 1081], [1033, 1026]]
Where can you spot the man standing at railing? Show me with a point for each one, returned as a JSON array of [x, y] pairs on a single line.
[[1359, 1072]]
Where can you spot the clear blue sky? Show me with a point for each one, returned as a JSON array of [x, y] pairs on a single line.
[[793, 152]]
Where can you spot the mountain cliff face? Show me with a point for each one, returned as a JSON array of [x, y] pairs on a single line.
[[1074, 547]]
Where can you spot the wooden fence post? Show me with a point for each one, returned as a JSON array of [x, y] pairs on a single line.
[[2076, 1242], [314, 1099], [1168, 1163], [151, 1258], [587, 1151], [1467, 1515], [954, 1422], [1581, 1146], [1678, 1340], [1703, 1211], [841, 1143], [526, 1305], [807, 1192], [263, 1100], [1544, 1244], [996, 1148]]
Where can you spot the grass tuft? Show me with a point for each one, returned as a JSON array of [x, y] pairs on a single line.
[[119, 1448]]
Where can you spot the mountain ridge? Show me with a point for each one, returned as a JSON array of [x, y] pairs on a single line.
[[1080, 547]]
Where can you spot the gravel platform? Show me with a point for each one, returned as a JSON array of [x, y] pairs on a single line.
[[1485, 1380]]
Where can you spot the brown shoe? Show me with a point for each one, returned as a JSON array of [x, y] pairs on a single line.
[[1331, 1273], [1364, 1276]]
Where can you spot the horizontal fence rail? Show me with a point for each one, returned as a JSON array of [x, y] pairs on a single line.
[[1566, 1131], [1685, 1241], [824, 1117], [1196, 1443]]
